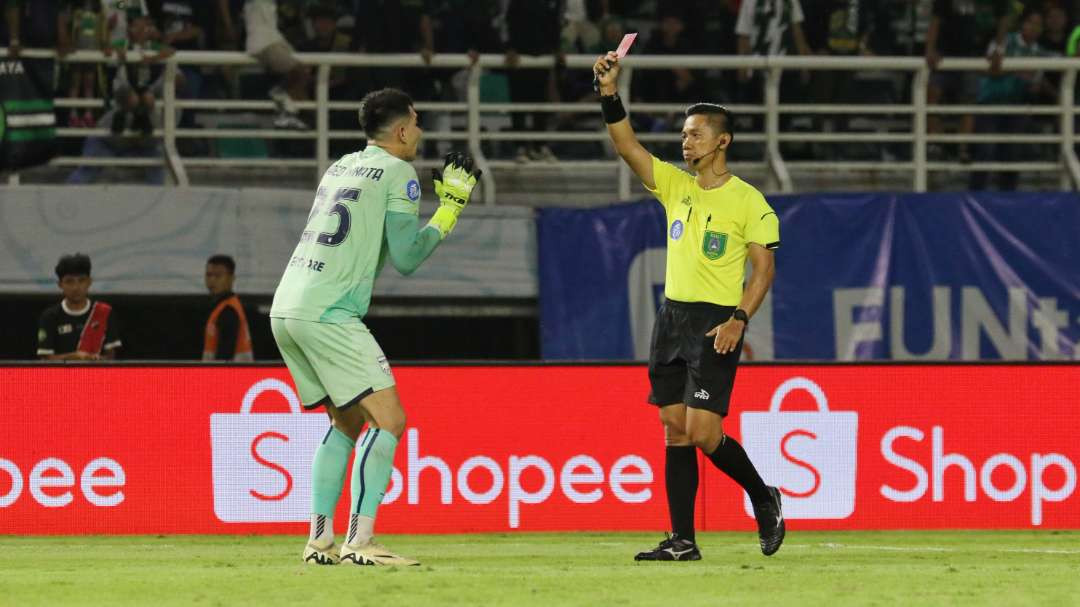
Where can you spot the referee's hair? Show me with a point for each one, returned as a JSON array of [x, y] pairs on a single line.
[[719, 116], [379, 109], [73, 265], [222, 260]]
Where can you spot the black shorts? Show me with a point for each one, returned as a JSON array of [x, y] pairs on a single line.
[[683, 365]]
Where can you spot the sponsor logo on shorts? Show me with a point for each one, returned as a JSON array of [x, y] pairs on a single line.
[[384, 364], [702, 394], [676, 229], [412, 190]]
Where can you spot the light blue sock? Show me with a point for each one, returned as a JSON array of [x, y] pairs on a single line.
[[370, 476], [328, 471]]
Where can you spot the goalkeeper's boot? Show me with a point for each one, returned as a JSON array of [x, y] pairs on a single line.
[[317, 555], [770, 520], [372, 553], [674, 548]]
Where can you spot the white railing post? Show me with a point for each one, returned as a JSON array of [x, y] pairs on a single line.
[[487, 179], [322, 121], [918, 151], [624, 169], [779, 176], [1070, 174], [172, 155]]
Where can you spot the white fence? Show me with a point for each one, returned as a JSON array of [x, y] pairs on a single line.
[[778, 170]]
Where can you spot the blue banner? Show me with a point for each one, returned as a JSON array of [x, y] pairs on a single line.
[[954, 276]]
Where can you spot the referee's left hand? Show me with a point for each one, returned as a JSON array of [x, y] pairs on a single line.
[[727, 335]]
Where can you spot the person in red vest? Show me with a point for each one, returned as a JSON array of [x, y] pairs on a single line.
[[77, 328], [226, 336]]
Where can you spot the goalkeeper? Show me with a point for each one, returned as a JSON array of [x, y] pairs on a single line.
[[365, 212]]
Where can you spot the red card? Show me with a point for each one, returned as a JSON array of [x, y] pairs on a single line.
[[624, 46]]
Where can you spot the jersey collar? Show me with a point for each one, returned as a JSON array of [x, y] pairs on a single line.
[[70, 312], [715, 189]]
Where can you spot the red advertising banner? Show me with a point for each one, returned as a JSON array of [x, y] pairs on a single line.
[[209, 449]]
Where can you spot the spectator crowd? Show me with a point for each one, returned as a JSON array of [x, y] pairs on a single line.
[[137, 35], [272, 31]]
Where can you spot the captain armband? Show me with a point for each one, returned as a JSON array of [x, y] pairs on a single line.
[[612, 108]]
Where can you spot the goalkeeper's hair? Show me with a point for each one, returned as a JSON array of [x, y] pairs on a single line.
[[379, 109], [73, 265], [718, 116]]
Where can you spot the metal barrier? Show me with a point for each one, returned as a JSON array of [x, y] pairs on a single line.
[[778, 169]]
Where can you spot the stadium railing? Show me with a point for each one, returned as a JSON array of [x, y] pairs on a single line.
[[778, 170]]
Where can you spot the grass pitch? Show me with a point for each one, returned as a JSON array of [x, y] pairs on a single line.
[[812, 568]]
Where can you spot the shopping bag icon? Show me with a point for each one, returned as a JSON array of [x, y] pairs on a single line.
[[810, 456], [262, 461]]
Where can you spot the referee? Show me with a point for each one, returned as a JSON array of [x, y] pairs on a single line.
[[715, 222]]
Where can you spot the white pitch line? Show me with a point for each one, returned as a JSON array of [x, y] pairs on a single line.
[[887, 548], [943, 549], [797, 546], [1042, 550]]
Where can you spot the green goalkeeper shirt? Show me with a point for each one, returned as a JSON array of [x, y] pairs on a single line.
[[366, 210]]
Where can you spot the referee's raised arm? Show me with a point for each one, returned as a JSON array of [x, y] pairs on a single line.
[[606, 69]]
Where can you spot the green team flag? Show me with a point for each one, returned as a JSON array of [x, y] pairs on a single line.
[[27, 121]]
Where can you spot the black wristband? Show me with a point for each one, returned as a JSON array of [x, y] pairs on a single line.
[[612, 108], [740, 314]]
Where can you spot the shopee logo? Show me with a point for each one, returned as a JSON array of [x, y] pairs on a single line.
[[581, 479], [262, 461], [810, 455], [262, 468], [51, 481], [940, 461], [785, 451]]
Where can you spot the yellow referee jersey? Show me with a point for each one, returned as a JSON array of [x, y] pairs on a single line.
[[708, 234]]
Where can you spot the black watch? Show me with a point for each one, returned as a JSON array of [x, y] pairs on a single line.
[[740, 314]]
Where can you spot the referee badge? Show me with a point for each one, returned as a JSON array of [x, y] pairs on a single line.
[[714, 244], [676, 229]]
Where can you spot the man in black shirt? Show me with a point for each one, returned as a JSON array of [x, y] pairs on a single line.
[[77, 328]]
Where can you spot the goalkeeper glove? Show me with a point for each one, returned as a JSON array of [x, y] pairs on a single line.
[[453, 185]]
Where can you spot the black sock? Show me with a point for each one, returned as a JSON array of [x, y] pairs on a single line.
[[681, 480], [732, 460]]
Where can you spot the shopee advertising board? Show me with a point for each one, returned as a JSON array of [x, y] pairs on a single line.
[[197, 449]]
